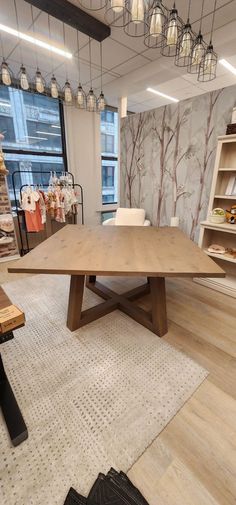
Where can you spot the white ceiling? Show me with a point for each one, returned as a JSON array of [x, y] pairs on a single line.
[[128, 66]]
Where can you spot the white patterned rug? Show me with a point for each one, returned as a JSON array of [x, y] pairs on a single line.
[[91, 399]]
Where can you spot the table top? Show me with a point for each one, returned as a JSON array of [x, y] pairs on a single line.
[[119, 250]]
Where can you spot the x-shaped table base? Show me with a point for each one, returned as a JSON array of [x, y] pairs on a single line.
[[155, 320]]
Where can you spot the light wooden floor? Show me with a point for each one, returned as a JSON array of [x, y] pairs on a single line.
[[193, 461]]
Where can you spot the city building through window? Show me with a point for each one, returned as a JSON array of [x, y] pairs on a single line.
[[109, 148], [33, 136]]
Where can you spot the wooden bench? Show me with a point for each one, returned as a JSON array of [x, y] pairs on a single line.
[[14, 420]]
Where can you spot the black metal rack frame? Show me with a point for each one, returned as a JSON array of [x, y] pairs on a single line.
[[18, 210]]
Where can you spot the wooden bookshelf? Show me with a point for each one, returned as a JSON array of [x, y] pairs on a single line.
[[225, 233]]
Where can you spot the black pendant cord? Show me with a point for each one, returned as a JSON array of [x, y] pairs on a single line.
[[17, 26], [64, 42], [36, 51], [101, 63], [90, 64], [78, 55], [189, 8], [50, 38], [213, 21]]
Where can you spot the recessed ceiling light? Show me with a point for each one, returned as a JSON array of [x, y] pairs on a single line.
[[162, 94], [228, 65], [35, 41]]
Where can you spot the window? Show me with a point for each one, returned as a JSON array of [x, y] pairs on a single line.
[[34, 137], [108, 176], [107, 143], [109, 151]]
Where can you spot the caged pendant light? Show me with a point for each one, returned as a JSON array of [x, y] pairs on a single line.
[[207, 68], [136, 25], [185, 43], [198, 49], [6, 74], [172, 31], [93, 5], [101, 103], [80, 101], [91, 98], [156, 20], [116, 13]]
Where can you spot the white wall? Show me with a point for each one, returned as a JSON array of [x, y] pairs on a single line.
[[84, 158]]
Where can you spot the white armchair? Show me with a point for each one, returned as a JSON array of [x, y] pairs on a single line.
[[128, 217]]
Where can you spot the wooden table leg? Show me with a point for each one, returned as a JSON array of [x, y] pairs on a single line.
[[75, 301], [158, 299]]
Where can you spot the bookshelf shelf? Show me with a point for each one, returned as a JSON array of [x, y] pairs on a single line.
[[223, 234]]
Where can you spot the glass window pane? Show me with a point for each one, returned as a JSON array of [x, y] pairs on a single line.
[[29, 121], [109, 133], [109, 181]]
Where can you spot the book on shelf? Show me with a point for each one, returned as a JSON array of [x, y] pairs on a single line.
[[231, 186]]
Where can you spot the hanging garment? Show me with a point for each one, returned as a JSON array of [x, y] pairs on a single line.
[[30, 203]]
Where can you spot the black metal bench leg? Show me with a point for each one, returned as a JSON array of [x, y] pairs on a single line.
[[14, 420]]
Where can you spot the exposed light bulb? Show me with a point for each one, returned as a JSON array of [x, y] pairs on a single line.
[[54, 88], [68, 93], [137, 11], [80, 96], [117, 5], [209, 62], [6, 76], [198, 51], [24, 82], [186, 45], [91, 101], [156, 22], [39, 84], [172, 33], [101, 105]]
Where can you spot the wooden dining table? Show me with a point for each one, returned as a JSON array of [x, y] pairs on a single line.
[[85, 252]]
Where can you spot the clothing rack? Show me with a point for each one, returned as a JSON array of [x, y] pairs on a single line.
[[20, 213]]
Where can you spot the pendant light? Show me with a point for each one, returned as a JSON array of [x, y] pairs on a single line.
[[185, 43], [39, 82], [136, 25], [93, 5], [101, 103], [91, 98], [6, 74], [67, 90], [207, 68], [23, 79], [198, 48], [80, 95], [116, 13], [156, 20], [172, 32]]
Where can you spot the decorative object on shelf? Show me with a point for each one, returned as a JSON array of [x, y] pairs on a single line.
[[172, 33], [101, 103], [231, 186], [231, 215], [80, 99], [217, 215], [91, 98], [217, 249], [207, 69], [231, 129]]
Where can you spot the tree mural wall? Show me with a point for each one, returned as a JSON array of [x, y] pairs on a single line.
[[167, 158]]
